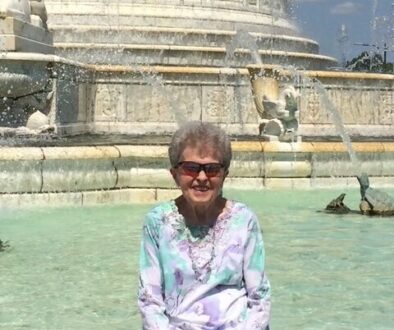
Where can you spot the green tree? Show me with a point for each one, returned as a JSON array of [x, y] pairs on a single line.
[[367, 62]]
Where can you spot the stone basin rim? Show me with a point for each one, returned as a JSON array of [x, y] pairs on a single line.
[[118, 151]]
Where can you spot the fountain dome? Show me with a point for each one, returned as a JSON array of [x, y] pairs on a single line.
[[180, 32]]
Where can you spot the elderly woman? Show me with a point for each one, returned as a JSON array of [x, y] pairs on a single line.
[[202, 255]]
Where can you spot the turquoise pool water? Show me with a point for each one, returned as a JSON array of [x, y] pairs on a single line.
[[76, 268]]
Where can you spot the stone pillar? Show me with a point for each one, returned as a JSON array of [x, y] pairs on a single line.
[[23, 27]]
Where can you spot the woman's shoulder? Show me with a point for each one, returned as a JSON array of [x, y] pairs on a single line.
[[242, 212], [237, 207], [156, 214], [242, 215]]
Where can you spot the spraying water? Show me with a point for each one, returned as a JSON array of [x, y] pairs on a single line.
[[243, 40], [330, 108], [161, 94], [336, 118]]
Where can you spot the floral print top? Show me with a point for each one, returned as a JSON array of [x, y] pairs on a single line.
[[203, 278]]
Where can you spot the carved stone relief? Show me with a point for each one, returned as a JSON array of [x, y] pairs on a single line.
[[109, 102], [387, 102]]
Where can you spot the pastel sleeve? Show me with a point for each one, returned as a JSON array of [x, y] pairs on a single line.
[[150, 292], [256, 282]]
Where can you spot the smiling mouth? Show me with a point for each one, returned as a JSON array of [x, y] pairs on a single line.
[[201, 188]]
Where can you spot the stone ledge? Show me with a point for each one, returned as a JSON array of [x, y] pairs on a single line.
[[153, 195], [154, 29], [25, 153], [21, 177], [233, 71], [287, 183], [14, 43], [40, 200], [121, 196], [141, 151], [156, 11], [191, 49], [75, 153], [13, 26]]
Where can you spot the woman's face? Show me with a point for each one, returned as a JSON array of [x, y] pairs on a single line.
[[199, 188]]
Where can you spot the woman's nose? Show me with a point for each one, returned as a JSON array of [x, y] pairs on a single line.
[[202, 176]]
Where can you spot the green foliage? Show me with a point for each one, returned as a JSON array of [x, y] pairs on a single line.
[[367, 62]]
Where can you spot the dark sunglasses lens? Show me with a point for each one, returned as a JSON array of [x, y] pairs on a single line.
[[190, 168], [212, 169], [193, 169]]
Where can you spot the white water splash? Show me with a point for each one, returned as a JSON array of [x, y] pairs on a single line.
[[243, 41]]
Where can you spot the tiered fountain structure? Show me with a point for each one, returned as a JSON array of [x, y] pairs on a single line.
[[139, 68], [184, 48]]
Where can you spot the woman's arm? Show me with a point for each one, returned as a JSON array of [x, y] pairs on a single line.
[[150, 293], [256, 282]]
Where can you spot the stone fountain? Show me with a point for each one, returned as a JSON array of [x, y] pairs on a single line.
[[138, 69], [25, 89]]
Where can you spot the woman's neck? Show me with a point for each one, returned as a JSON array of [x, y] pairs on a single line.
[[200, 215]]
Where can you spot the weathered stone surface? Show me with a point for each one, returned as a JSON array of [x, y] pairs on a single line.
[[15, 8], [387, 164], [339, 164], [25, 176], [37, 120], [144, 178], [41, 200], [80, 153], [287, 183], [78, 175], [109, 102], [124, 196], [247, 168], [20, 154], [244, 183], [364, 103], [20, 36], [288, 169], [334, 182], [166, 194], [143, 151]]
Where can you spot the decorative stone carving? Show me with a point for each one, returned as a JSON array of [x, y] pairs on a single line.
[[277, 106], [32, 11], [19, 9], [17, 110], [39, 13], [387, 102], [23, 27], [25, 85]]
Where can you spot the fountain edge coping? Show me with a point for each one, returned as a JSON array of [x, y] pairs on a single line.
[[32, 57], [120, 151], [234, 71]]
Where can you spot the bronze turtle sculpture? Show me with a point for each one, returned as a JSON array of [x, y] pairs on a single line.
[[337, 206], [374, 201], [4, 245]]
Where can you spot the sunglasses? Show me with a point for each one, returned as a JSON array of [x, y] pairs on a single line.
[[193, 169]]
